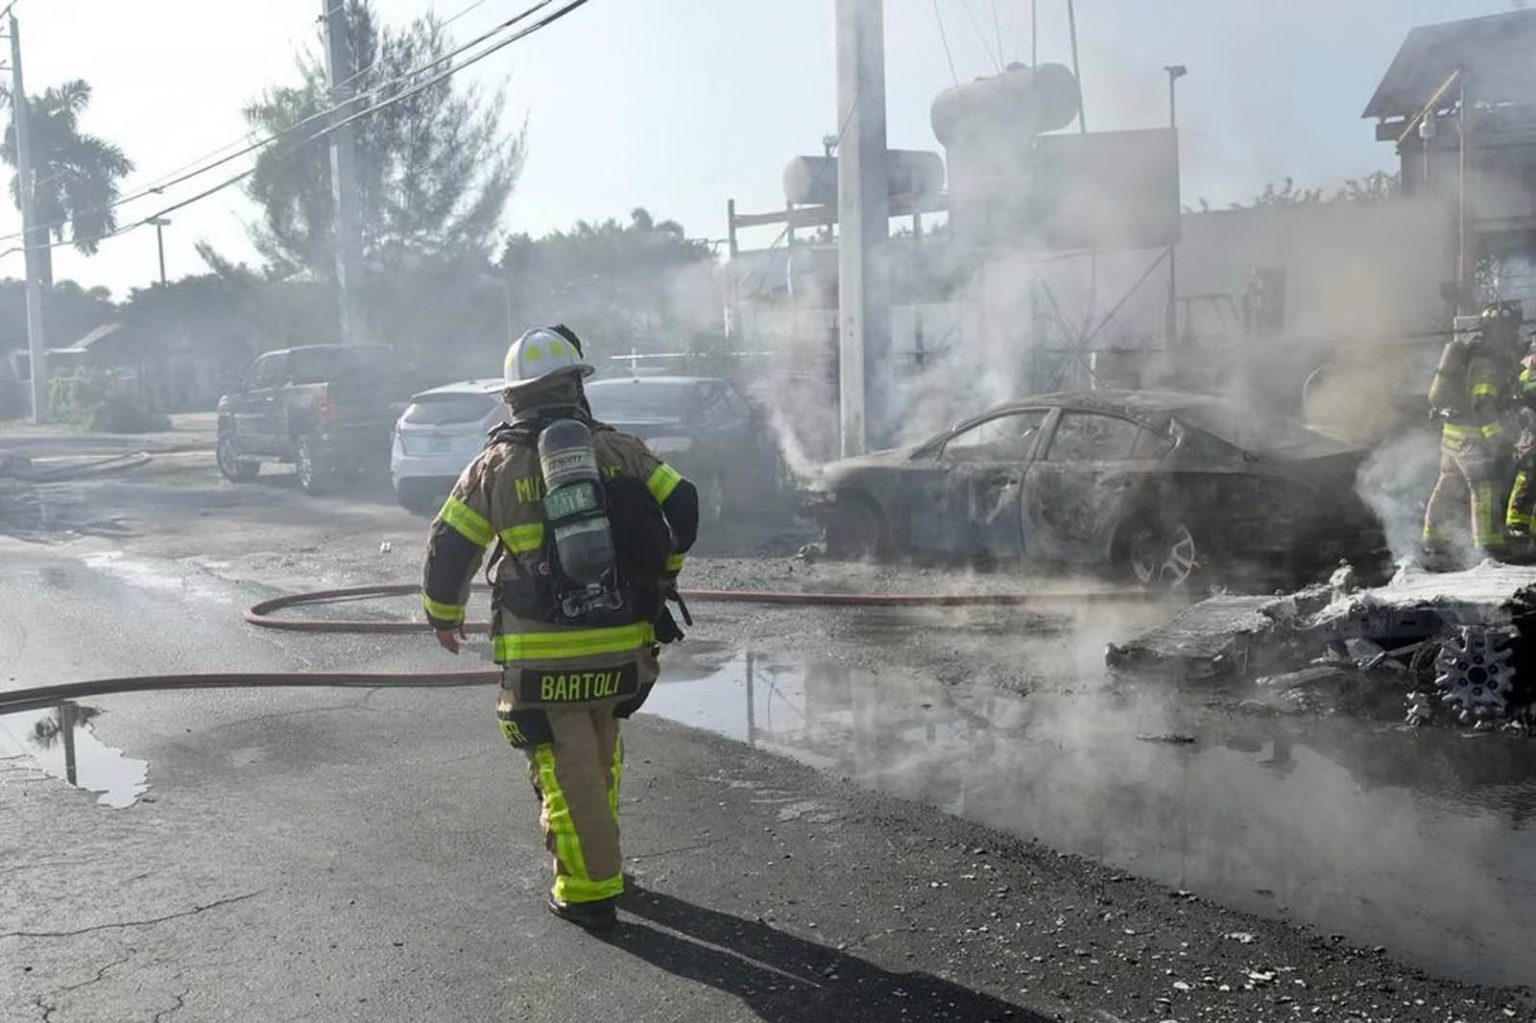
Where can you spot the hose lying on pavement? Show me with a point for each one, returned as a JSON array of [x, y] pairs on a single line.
[[262, 614]]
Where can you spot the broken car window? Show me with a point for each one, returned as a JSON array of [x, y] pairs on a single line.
[[1088, 437], [1000, 439]]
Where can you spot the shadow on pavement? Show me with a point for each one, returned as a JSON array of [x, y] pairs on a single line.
[[785, 979]]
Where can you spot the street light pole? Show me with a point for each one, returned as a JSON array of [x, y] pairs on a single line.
[[1171, 322], [161, 223]]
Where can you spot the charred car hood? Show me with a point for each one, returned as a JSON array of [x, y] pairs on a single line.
[[835, 472]]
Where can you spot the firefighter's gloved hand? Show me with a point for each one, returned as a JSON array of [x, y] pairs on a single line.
[[449, 639], [667, 629]]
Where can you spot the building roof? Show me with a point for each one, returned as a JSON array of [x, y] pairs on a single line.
[[1494, 51], [92, 338]]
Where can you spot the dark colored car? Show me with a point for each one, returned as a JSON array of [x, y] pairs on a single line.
[[323, 408], [706, 429], [1161, 486]]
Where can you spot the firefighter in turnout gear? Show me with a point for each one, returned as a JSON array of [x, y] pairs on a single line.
[[589, 530], [1520, 515], [1472, 390]]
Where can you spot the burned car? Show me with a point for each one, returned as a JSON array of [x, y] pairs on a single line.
[[1162, 487]]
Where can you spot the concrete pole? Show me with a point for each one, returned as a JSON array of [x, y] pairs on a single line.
[[161, 224], [37, 337], [344, 171], [864, 313]]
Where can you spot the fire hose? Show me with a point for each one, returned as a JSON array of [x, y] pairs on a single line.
[[264, 615]]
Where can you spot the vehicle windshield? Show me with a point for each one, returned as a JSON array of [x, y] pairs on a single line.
[[640, 399], [323, 365], [449, 409], [1258, 432]]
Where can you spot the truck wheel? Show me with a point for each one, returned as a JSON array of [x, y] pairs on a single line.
[[314, 476], [231, 466]]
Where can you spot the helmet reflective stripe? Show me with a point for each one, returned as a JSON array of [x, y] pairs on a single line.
[[540, 353]]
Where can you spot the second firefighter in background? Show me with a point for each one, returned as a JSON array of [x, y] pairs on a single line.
[[590, 529], [1473, 389]]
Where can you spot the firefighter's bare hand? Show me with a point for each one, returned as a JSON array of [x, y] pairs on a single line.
[[450, 639]]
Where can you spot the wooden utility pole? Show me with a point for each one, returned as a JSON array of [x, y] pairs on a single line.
[[32, 234], [863, 214], [349, 259]]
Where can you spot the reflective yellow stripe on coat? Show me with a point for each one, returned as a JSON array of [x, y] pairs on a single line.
[[467, 522], [543, 646]]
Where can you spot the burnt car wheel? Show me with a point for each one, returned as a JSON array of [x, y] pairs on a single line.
[[855, 530], [231, 466], [1163, 554]]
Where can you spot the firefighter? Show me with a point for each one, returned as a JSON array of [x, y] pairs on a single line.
[[1520, 515], [1472, 389], [589, 530]]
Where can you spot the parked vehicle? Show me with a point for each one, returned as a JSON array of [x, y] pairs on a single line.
[[323, 408], [706, 429], [1163, 487], [703, 426], [440, 432]]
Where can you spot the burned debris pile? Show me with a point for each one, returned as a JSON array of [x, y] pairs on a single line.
[[1460, 652]]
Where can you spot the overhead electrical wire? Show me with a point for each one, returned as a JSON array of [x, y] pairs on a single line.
[[160, 186], [995, 58]]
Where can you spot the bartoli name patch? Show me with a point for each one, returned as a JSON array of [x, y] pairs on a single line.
[[578, 686]]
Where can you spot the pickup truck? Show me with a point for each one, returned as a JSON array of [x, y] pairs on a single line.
[[322, 408]]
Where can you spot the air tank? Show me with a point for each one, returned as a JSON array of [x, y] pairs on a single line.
[[1022, 100], [812, 180]]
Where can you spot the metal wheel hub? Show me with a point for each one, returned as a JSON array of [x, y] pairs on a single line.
[[1165, 557], [1474, 673]]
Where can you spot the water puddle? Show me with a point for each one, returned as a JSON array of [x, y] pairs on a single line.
[[1421, 841], [59, 741]]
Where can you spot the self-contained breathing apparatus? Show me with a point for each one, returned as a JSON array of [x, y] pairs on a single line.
[[606, 542], [582, 560]]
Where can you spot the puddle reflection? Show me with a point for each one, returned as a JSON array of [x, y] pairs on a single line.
[[1421, 841], [58, 740]]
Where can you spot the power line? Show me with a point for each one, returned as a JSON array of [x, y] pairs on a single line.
[[185, 173], [944, 38], [324, 132], [982, 35]]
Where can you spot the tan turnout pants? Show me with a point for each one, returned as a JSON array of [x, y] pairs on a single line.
[[577, 776]]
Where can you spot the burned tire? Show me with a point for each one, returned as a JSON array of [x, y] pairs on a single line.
[[1162, 552], [308, 465], [231, 466], [856, 530]]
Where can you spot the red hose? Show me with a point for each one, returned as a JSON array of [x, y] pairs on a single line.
[[261, 614]]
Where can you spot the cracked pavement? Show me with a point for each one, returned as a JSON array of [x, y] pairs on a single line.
[[301, 857]]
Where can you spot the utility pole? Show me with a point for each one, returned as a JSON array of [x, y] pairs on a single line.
[[161, 223], [1171, 325], [864, 307], [338, 51], [37, 342]]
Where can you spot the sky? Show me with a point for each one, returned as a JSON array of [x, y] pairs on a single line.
[[680, 105]]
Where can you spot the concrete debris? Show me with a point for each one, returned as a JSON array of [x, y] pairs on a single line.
[[1450, 643]]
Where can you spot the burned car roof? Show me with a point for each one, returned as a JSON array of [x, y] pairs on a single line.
[[1254, 431]]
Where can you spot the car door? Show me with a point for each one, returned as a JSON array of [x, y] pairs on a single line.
[[257, 405], [1076, 489], [967, 500]]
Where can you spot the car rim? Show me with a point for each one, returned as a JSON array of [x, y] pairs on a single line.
[[229, 465], [1165, 559]]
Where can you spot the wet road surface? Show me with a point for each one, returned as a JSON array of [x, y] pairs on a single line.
[[1392, 839]]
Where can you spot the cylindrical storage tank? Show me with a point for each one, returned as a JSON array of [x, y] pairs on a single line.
[[812, 180], [1021, 99]]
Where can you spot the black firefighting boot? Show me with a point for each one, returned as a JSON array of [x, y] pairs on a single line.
[[598, 917]]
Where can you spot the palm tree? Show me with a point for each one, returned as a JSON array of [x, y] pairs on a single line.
[[75, 175]]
